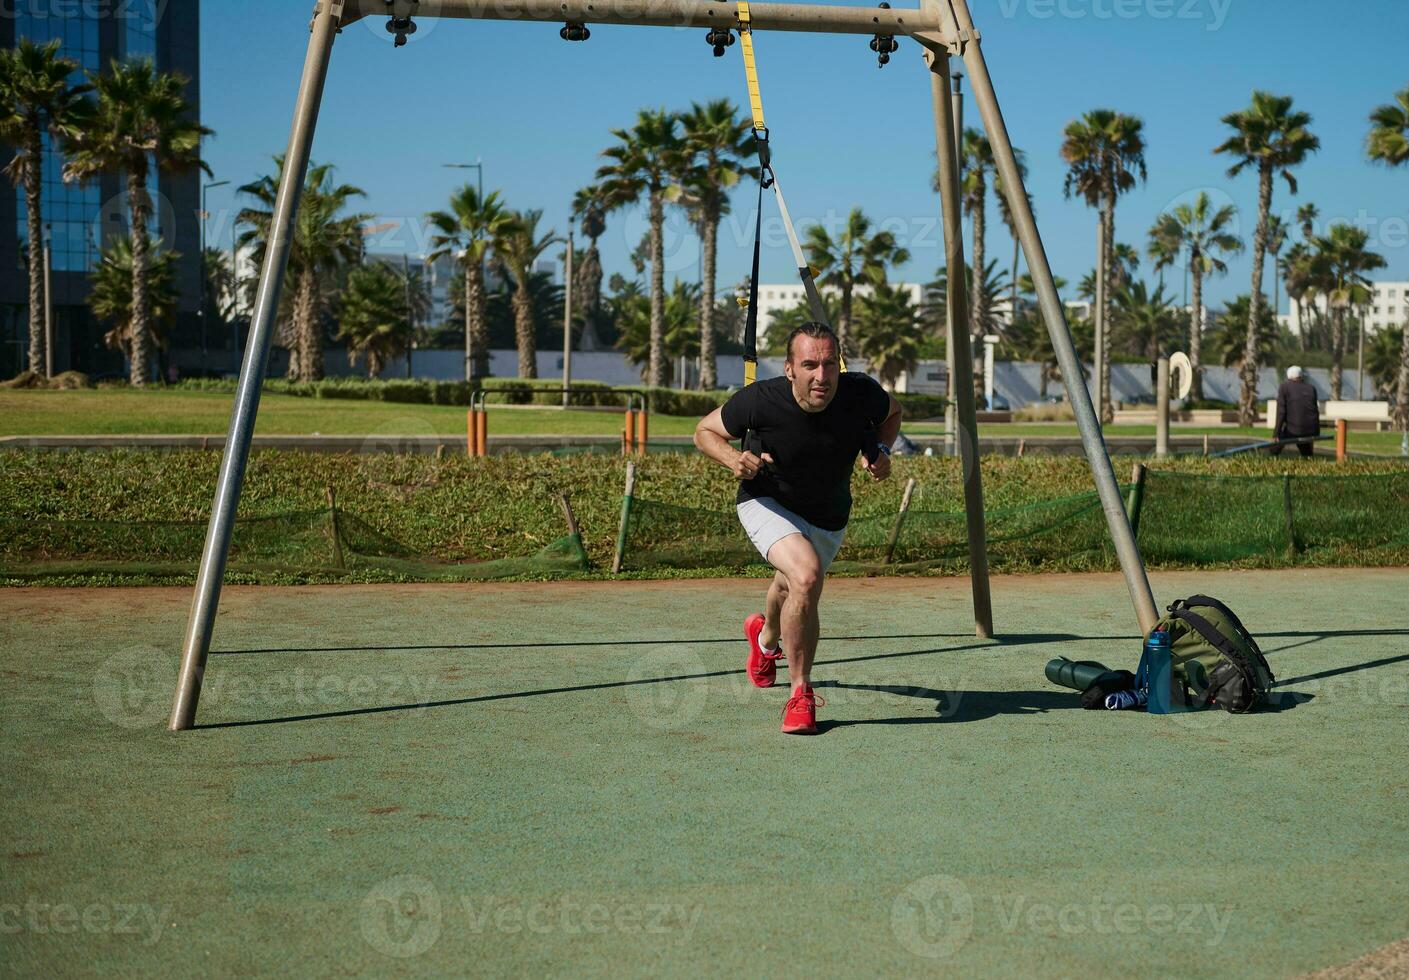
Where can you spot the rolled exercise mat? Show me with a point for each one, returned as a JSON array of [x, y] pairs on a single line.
[[1077, 674]]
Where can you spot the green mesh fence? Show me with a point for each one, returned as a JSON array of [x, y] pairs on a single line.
[[662, 535], [666, 536], [1186, 520], [296, 545], [1199, 519]]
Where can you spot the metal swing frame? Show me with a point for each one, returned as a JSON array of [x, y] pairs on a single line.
[[944, 29]]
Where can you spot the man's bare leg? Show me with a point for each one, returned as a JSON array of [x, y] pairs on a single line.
[[773, 611], [796, 560]]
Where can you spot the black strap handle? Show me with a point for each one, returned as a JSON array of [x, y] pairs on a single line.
[[1220, 643], [1211, 602], [751, 317]]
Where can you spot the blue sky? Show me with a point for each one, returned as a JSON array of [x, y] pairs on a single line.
[[537, 111]]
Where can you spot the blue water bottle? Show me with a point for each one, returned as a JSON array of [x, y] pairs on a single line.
[[1157, 660]]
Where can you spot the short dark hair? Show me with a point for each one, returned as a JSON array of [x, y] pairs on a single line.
[[815, 330]]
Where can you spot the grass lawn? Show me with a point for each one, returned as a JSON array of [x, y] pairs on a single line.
[[120, 411], [507, 781]]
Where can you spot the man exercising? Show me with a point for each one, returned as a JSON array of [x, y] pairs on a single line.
[[801, 435]]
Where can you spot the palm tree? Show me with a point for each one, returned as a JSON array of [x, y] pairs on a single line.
[[545, 297], [633, 317], [141, 119], [1125, 262], [36, 98], [1296, 265], [111, 294], [1005, 211], [1149, 322], [1030, 338], [1383, 359], [645, 161], [1276, 241], [473, 227], [717, 141], [887, 333], [1105, 155], [222, 287], [1203, 231], [589, 207], [326, 240], [783, 322], [1228, 340], [1306, 216], [1268, 136], [1388, 143], [414, 281], [1346, 260], [518, 251], [1295, 273], [376, 321], [977, 165], [852, 258], [936, 295]]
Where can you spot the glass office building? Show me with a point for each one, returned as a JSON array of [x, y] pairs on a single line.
[[81, 218]]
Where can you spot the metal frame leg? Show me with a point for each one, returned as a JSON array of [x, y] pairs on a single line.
[[237, 444], [963, 379], [956, 105], [1055, 317]]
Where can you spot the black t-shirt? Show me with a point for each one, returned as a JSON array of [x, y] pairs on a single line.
[[813, 452]]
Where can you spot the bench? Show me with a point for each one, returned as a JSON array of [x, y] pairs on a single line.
[[1366, 416]]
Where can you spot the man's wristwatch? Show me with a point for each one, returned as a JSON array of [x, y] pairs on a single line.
[[883, 448]]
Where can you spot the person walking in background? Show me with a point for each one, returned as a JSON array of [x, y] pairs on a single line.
[[1297, 412]]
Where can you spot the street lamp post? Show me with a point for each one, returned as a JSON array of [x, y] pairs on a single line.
[[410, 314], [49, 301], [205, 275], [478, 167]]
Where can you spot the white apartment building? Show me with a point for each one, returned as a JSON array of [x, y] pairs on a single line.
[[1388, 307]]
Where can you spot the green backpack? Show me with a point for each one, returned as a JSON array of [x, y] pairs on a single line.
[[1215, 659]]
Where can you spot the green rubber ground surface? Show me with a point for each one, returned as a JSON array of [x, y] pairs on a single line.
[[578, 795]]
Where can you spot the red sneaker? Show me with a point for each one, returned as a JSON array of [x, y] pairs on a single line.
[[763, 666], [800, 716]]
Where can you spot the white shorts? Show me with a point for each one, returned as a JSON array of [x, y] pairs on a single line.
[[766, 522]]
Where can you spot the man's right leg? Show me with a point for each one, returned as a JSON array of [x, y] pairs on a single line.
[[796, 561], [773, 611]]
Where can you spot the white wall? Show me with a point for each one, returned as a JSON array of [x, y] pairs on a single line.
[[1017, 381]]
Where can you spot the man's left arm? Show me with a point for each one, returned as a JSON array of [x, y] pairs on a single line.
[[886, 433]]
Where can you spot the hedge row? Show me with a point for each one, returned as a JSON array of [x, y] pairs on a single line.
[[516, 391]]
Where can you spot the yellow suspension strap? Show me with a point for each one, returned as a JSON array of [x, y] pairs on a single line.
[[760, 142], [768, 178]]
